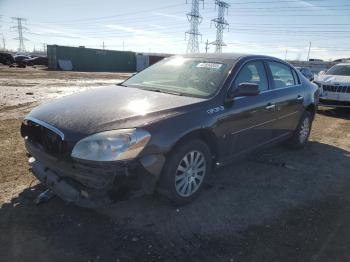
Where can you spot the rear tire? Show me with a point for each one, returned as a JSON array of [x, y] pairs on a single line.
[[301, 134], [185, 172]]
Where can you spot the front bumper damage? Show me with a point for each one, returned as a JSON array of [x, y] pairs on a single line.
[[95, 184]]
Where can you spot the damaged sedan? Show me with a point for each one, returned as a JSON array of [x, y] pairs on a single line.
[[168, 127]]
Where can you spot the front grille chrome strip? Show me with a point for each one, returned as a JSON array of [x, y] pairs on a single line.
[[48, 126], [336, 88]]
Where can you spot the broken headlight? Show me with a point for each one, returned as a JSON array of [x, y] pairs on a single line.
[[112, 145]]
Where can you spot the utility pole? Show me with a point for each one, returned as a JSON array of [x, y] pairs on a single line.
[[3, 38], [285, 55], [220, 24], [123, 45], [103, 45], [20, 38], [206, 46], [3, 43], [308, 53], [195, 19], [44, 47]]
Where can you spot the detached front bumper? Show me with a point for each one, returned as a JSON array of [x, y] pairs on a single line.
[[68, 190], [94, 184]]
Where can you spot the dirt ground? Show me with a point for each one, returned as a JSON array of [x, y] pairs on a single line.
[[275, 205]]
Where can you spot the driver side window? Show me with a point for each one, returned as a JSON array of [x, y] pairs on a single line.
[[253, 72]]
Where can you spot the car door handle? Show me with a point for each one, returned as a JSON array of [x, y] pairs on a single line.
[[299, 98], [270, 106]]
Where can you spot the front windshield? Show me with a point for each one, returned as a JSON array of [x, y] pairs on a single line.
[[195, 77], [340, 70]]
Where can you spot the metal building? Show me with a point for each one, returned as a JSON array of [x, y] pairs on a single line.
[[90, 60]]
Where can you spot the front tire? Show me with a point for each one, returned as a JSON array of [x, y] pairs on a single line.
[[185, 172], [302, 133]]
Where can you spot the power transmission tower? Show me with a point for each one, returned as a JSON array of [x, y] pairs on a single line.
[[220, 24], [44, 47], [20, 38], [195, 19]]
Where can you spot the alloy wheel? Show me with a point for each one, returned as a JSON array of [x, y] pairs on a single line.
[[190, 173]]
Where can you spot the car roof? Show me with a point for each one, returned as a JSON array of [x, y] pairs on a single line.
[[230, 56], [343, 64]]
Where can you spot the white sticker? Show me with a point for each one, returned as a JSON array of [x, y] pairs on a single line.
[[209, 65]]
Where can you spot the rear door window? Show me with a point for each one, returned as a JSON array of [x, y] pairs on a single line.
[[281, 75]]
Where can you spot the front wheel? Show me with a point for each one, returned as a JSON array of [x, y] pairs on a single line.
[[302, 133], [185, 172]]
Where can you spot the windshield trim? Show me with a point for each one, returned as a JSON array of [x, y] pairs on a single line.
[[339, 65]]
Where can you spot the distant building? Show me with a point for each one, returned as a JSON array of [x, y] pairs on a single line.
[[316, 65], [342, 60], [99, 60]]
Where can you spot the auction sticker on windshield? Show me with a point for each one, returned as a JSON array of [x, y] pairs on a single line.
[[209, 65]]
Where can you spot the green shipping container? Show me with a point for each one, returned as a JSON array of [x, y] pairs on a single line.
[[92, 60]]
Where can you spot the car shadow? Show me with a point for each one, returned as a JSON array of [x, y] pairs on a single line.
[[276, 204], [343, 113]]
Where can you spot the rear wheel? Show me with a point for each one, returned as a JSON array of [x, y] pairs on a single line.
[[185, 172], [302, 133]]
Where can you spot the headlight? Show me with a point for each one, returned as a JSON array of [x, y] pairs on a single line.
[[112, 145]]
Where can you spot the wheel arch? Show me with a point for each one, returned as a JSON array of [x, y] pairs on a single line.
[[312, 109], [205, 135]]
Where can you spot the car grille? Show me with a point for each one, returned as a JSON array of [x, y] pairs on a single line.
[[336, 88], [44, 138]]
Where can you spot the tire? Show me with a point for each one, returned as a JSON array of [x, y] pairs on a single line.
[[301, 134], [179, 182]]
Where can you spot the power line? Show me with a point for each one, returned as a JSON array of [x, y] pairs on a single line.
[[91, 19], [273, 2], [220, 24], [195, 19]]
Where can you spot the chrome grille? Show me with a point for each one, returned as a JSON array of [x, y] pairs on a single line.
[[336, 88], [47, 140]]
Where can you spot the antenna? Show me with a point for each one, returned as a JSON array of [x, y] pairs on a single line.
[[195, 19], [220, 24], [20, 38]]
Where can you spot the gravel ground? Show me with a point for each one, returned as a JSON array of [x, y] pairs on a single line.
[[275, 205]]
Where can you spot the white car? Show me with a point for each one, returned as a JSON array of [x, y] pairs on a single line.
[[335, 86]]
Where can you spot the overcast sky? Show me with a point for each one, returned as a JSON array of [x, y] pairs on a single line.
[[267, 27]]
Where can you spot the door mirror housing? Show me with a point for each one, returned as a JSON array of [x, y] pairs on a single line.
[[243, 89]]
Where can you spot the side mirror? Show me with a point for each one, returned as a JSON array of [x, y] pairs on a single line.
[[244, 89]]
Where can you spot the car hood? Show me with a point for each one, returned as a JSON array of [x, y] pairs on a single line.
[[109, 108], [333, 79]]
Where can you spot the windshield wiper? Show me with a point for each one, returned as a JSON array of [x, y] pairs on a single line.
[[163, 91], [121, 84]]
